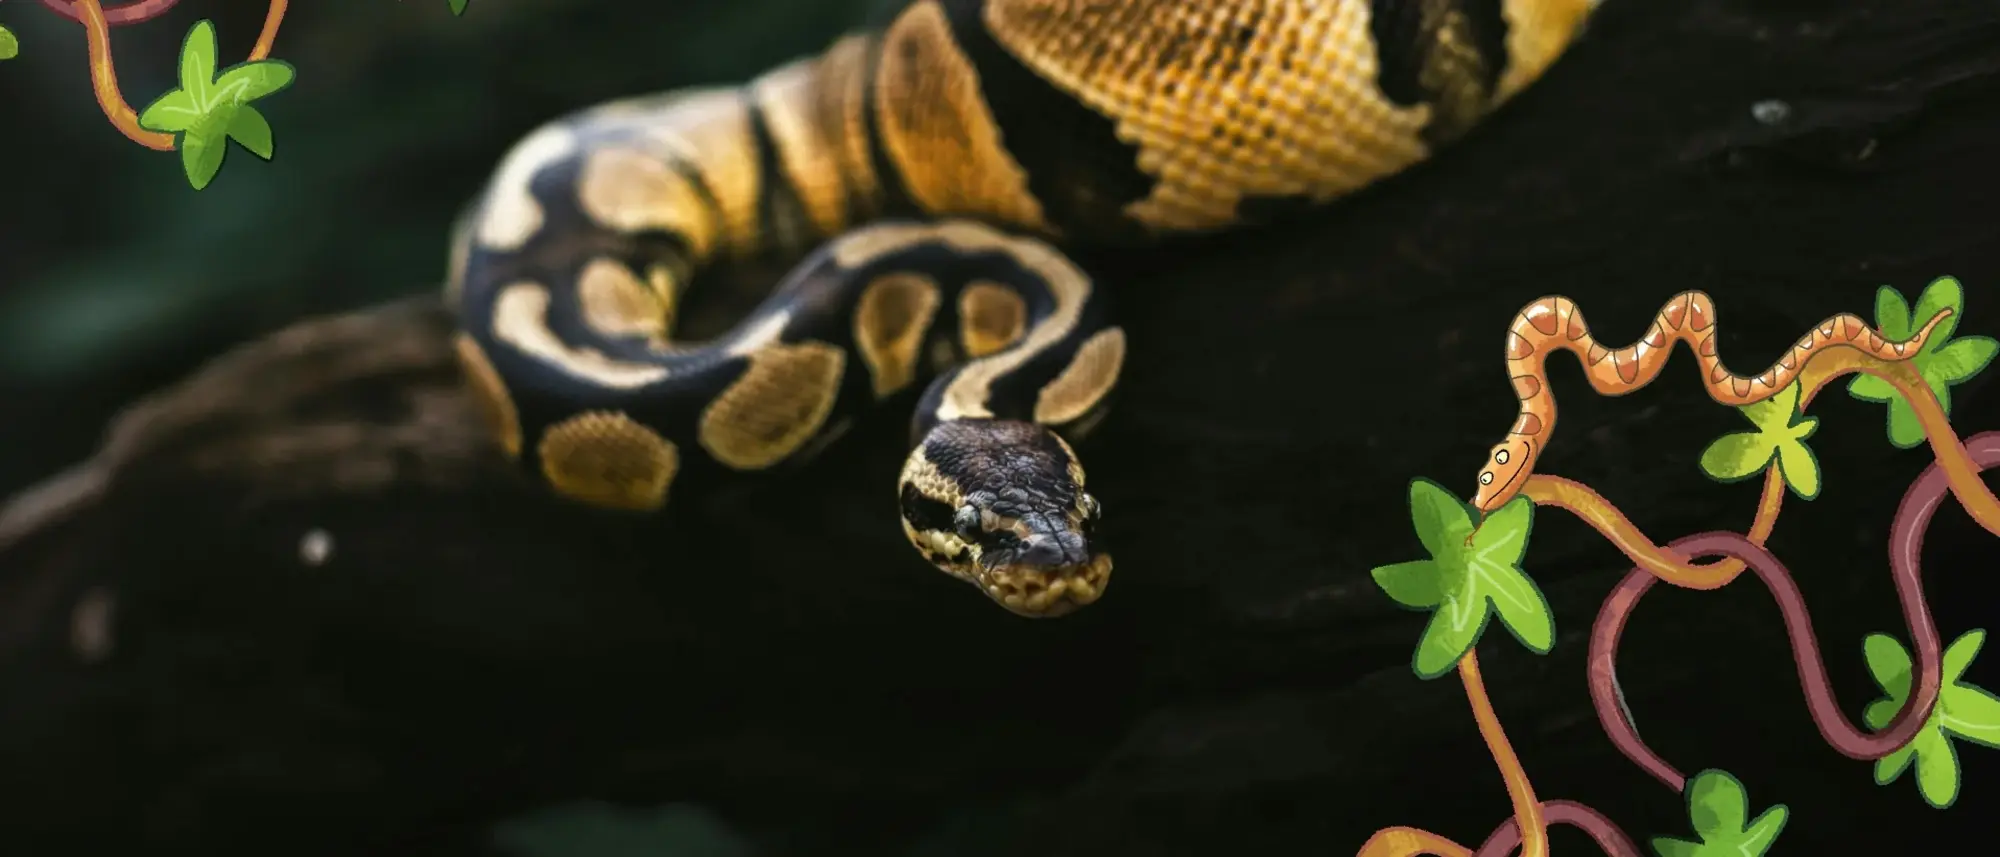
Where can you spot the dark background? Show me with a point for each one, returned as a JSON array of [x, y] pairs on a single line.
[[1241, 690]]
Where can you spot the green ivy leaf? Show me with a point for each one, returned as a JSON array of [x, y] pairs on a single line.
[[1412, 584], [10, 47], [252, 131], [1943, 293], [1498, 547], [1736, 456], [1472, 573], [1892, 314], [247, 82], [1780, 436], [201, 154], [1941, 361], [1718, 810], [1442, 520], [1964, 711], [1453, 630], [197, 66], [1962, 359], [174, 111], [206, 111]]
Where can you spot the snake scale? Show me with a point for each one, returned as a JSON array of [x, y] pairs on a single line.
[[917, 179]]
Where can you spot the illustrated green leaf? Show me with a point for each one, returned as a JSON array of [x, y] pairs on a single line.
[[1973, 714], [1521, 605], [197, 68], [1937, 771], [1451, 632], [1718, 809], [1889, 663], [1503, 537], [1869, 388], [1668, 846], [1780, 435], [1957, 362], [1892, 314], [174, 111], [1775, 412], [201, 154], [1799, 467], [1958, 656], [457, 6], [1889, 767], [246, 82], [1764, 830], [1411, 584], [1880, 712], [1716, 804], [249, 128], [1905, 432], [1441, 519], [1941, 363], [10, 47], [1737, 456], [1943, 293]]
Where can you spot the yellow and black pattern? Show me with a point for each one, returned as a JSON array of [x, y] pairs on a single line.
[[921, 178]]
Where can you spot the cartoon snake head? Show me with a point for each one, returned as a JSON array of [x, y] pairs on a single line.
[[1501, 479], [1000, 504]]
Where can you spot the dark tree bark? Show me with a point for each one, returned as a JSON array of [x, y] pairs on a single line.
[[297, 600]]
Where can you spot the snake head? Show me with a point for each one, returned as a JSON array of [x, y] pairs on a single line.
[[1000, 504], [1501, 479]]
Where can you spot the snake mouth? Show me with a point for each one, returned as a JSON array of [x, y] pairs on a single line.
[[1046, 591]]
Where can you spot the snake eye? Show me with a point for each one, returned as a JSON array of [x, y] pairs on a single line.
[[1500, 456], [1486, 478], [1091, 509], [966, 521]]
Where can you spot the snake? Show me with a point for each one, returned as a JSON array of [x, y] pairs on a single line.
[[921, 185], [1551, 324]]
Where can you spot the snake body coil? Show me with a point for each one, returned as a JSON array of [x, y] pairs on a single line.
[[924, 174]]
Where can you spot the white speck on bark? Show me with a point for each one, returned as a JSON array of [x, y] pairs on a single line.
[[90, 624], [315, 547], [1770, 111]]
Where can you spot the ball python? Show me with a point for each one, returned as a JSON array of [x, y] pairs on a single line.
[[1552, 324], [917, 180]]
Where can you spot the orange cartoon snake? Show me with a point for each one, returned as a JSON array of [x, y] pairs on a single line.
[[1553, 323]]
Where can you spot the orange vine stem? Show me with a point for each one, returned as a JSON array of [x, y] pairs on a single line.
[[1410, 841], [104, 74], [272, 17], [104, 80], [1960, 471], [1527, 810]]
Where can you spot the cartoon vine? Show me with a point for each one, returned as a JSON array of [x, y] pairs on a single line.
[[1475, 570], [210, 108]]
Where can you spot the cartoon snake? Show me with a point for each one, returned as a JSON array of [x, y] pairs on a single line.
[[921, 177], [1552, 324]]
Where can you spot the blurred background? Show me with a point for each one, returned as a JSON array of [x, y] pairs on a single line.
[[117, 277]]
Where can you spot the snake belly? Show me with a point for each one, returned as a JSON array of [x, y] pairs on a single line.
[[919, 180]]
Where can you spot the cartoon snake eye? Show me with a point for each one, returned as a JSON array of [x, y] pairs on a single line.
[[1500, 456], [1091, 509], [1486, 478], [966, 521]]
